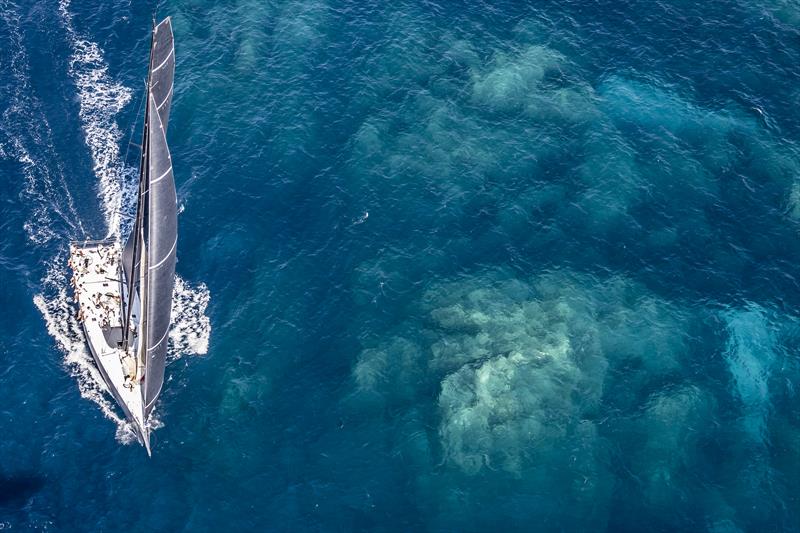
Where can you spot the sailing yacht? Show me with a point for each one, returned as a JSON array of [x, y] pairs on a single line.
[[124, 291]]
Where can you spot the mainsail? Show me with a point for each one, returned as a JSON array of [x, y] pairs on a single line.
[[149, 254], [161, 239]]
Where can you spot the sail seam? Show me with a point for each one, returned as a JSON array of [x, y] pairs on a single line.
[[162, 176], [169, 93], [174, 244], [172, 51], [155, 397], [153, 347]]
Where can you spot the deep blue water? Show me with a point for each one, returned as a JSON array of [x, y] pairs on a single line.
[[445, 266]]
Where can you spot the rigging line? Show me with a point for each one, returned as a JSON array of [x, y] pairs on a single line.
[[133, 126], [138, 222], [155, 12], [130, 141]]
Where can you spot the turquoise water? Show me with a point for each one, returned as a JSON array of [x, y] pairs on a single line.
[[444, 266]]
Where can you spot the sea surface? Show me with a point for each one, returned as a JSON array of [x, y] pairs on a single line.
[[443, 265]]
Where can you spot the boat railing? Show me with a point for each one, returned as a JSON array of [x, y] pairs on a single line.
[[92, 242]]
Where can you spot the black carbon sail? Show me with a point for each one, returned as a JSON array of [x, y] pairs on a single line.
[[161, 239], [160, 83], [161, 220], [162, 69], [149, 254]]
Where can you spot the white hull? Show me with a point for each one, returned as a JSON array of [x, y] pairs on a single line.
[[100, 292]]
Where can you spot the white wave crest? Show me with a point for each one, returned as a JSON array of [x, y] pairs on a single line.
[[191, 327]]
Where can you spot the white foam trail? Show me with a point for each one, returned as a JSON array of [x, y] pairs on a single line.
[[38, 226], [101, 100], [28, 133]]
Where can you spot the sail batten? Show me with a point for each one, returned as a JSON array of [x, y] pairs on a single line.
[[168, 97], [162, 176], [166, 257], [150, 349], [161, 65]]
